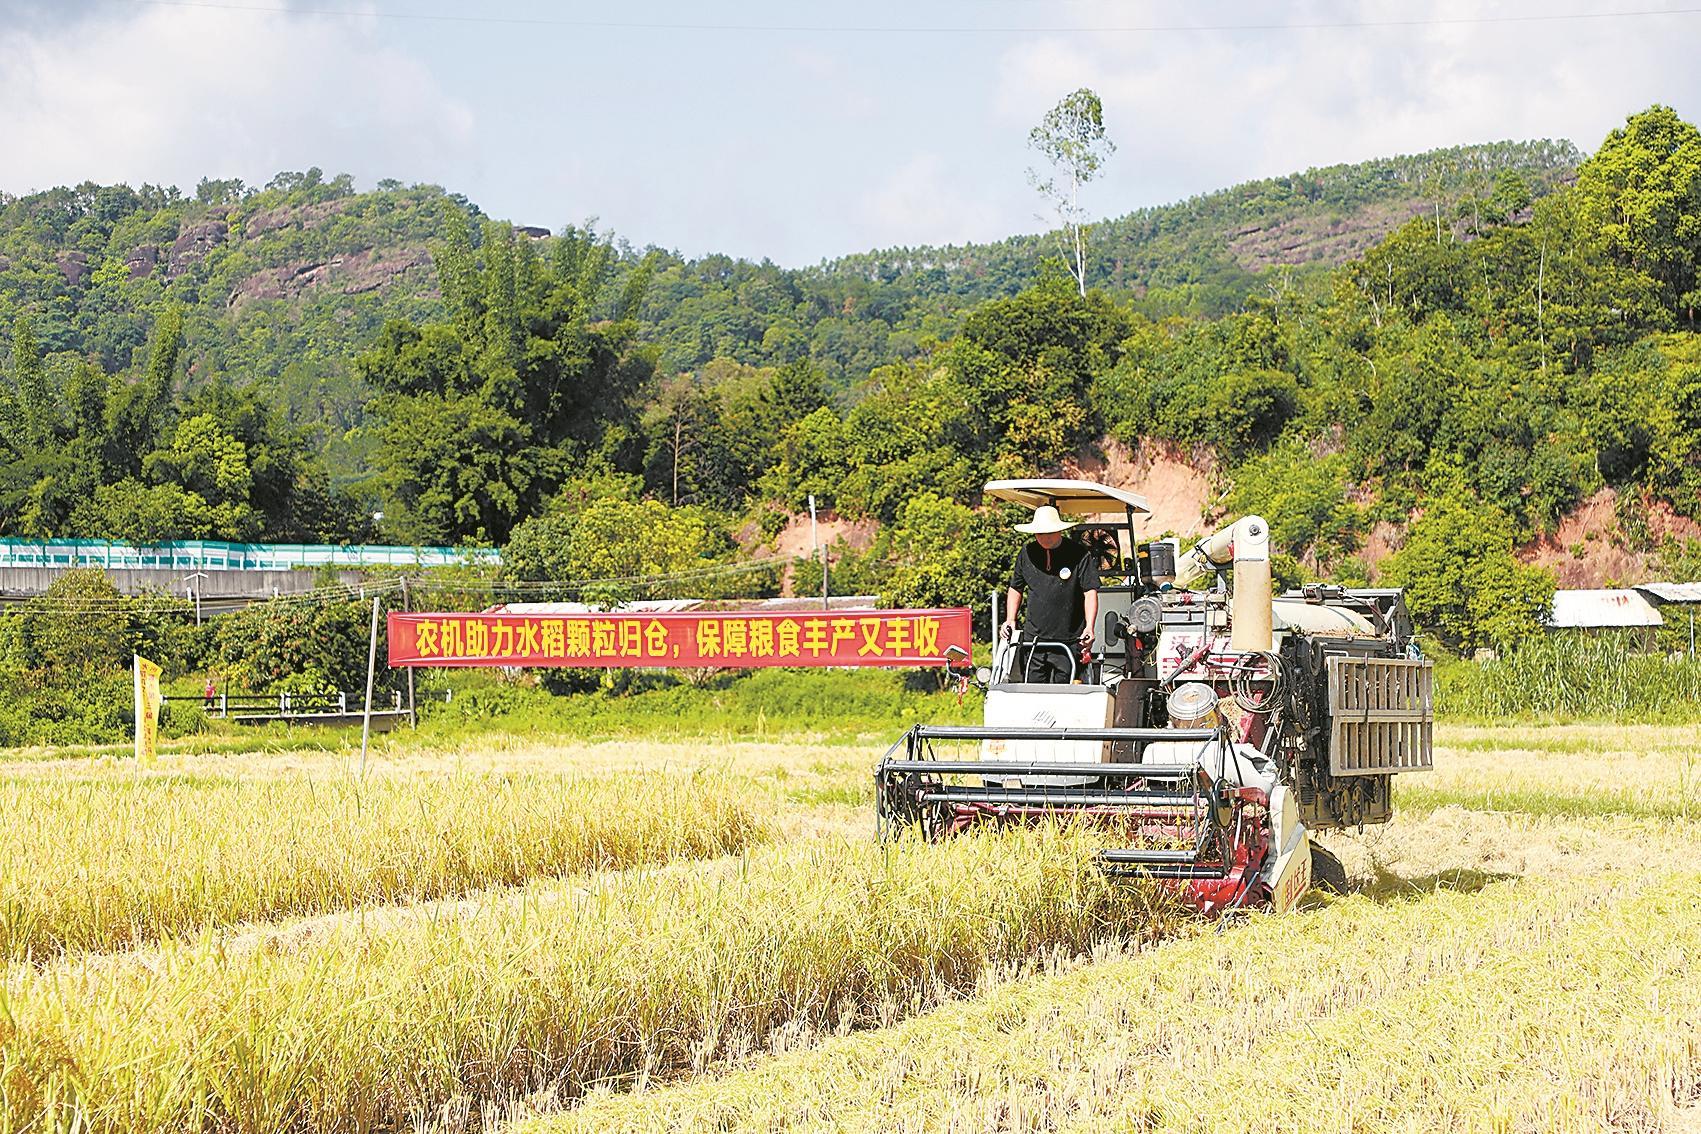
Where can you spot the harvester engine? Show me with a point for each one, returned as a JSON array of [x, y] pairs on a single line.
[[1212, 728]]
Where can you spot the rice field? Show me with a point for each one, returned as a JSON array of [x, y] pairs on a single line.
[[537, 936], [112, 861]]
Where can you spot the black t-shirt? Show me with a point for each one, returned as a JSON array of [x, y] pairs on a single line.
[[1052, 585]]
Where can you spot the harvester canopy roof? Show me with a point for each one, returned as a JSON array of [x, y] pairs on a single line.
[[1070, 497]]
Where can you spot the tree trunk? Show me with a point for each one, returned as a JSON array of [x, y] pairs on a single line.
[[1541, 322], [1080, 244], [678, 434]]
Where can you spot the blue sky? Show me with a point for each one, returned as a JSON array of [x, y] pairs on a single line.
[[798, 130]]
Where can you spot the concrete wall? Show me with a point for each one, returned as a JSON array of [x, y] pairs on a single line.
[[21, 582]]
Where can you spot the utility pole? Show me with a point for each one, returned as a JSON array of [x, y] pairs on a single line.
[[815, 546], [195, 592]]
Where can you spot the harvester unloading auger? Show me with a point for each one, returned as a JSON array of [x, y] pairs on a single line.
[[1214, 730]]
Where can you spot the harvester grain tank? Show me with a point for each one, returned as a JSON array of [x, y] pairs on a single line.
[[1214, 729]]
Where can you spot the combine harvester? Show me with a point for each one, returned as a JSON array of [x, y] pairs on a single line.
[[1217, 727]]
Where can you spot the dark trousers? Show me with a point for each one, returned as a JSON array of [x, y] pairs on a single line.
[[1045, 666]]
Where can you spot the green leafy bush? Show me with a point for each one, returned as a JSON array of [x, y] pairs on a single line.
[[65, 660], [302, 646], [1304, 498], [1462, 581]]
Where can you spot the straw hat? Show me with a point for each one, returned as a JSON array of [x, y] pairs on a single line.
[[1045, 520]]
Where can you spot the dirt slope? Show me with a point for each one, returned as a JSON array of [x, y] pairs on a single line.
[[1180, 484], [1590, 548]]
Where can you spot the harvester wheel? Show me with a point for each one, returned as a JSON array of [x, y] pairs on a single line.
[[1327, 873]]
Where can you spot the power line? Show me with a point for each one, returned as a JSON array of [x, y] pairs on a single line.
[[938, 29]]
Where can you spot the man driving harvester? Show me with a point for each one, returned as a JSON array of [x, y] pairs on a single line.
[[1058, 578]]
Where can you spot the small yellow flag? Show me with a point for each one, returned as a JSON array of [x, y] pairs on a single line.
[[147, 711]]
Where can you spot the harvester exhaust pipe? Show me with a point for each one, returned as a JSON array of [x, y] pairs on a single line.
[[1251, 608], [1245, 544]]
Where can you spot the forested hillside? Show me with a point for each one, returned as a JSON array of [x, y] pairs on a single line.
[[270, 293], [1482, 338], [1201, 257]]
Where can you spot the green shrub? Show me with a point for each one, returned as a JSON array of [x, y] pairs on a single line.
[[1304, 498], [302, 646], [1463, 582], [65, 661]]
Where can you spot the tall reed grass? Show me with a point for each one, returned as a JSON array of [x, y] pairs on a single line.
[[1575, 677], [633, 976], [107, 861], [1522, 1007]]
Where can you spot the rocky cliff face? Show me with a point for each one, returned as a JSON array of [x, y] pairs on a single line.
[[192, 245], [365, 270]]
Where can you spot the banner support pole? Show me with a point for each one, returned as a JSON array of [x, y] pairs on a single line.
[[407, 605]]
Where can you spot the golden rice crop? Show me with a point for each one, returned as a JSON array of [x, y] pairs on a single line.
[[1538, 1006], [634, 974], [1369, 1013], [409, 754], [105, 862]]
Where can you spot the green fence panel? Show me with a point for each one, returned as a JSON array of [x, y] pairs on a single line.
[[214, 555]]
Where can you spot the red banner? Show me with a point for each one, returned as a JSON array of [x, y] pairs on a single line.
[[732, 640]]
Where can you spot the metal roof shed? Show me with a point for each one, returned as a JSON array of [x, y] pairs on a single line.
[[1685, 593], [1599, 609], [1676, 594]]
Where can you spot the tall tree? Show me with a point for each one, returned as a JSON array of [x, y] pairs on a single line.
[[1642, 193], [483, 414], [137, 413], [1072, 140], [35, 408], [1463, 581]]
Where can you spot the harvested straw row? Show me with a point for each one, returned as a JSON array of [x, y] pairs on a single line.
[[635, 975], [104, 864], [1525, 1007]]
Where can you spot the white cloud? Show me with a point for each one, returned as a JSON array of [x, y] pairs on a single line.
[[833, 86], [1192, 112], [923, 201], [168, 95]]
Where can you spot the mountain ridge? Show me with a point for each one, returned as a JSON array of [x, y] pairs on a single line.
[[231, 250]]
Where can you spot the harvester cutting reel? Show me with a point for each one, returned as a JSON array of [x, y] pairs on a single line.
[[1208, 825]]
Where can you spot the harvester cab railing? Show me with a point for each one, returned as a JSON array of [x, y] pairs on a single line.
[[1007, 653]]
